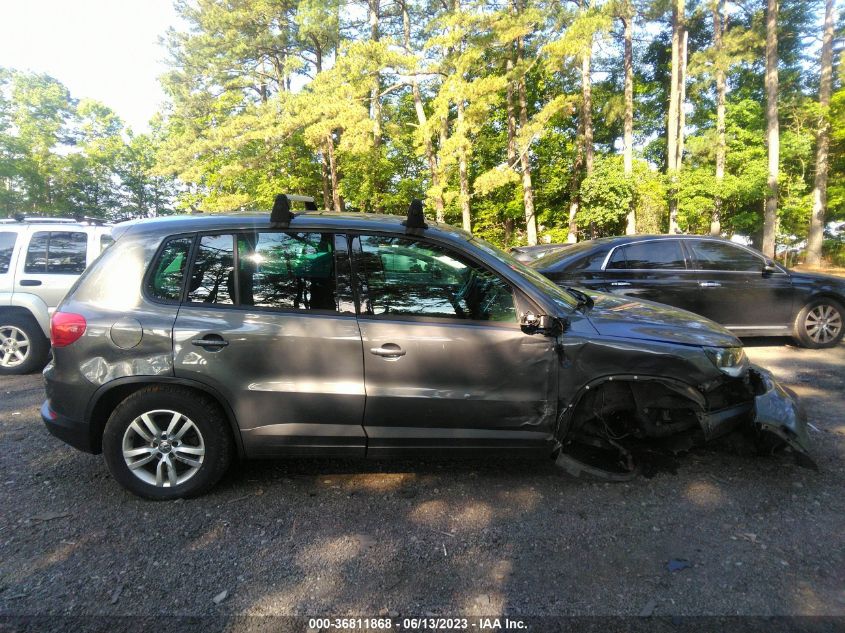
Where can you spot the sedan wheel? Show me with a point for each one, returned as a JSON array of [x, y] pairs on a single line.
[[820, 324]]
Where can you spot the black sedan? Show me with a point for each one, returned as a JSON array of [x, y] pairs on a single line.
[[732, 284]]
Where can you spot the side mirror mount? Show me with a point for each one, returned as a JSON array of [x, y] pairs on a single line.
[[539, 323]]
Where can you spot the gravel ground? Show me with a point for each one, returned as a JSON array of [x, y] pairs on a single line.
[[327, 537]]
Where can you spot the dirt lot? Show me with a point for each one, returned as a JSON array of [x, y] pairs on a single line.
[[761, 536]]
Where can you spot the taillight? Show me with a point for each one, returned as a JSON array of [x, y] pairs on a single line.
[[66, 328]]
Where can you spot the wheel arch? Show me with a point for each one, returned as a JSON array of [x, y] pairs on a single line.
[[31, 305], [107, 397]]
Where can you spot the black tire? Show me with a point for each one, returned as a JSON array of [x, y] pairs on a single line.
[[826, 311], [210, 426], [36, 351]]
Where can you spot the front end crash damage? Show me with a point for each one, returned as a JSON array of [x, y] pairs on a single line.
[[617, 423]]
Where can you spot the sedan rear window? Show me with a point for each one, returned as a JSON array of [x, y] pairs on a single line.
[[711, 255]]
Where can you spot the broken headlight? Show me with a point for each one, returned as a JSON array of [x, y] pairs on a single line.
[[731, 360]]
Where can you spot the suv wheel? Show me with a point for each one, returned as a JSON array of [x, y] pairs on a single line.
[[820, 324], [23, 347], [166, 442]]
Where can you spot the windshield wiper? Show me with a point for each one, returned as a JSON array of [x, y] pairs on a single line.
[[582, 297]]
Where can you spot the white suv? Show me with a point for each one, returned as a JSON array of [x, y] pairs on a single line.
[[40, 259]]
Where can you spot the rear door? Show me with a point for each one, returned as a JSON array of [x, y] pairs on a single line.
[[7, 260], [655, 270], [447, 366], [735, 291], [270, 323], [52, 262]]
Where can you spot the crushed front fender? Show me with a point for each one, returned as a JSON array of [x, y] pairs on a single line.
[[779, 415]]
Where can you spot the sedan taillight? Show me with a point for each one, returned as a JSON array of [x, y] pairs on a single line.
[[66, 328]]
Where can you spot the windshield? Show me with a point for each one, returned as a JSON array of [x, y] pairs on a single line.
[[548, 287]]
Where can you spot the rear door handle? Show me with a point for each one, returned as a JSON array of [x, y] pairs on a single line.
[[30, 282], [620, 283], [709, 284], [388, 350], [210, 342]]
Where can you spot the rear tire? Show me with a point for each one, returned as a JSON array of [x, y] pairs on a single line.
[[820, 324], [23, 346], [166, 442]]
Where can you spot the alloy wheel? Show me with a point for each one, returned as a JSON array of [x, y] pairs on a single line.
[[163, 448], [14, 346], [823, 323]]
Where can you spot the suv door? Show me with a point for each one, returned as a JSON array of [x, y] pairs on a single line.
[[656, 270], [736, 292], [270, 324], [53, 261], [446, 363]]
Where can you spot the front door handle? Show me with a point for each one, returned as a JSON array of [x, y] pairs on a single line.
[[210, 342], [30, 282], [709, 284], [620, 283], [388, 350]]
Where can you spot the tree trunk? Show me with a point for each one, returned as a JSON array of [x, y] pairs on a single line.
[[463, 173], [324, 175], [584, 155], [524, 158], [336, 201], [815, 239], [431, 158], [375, 101], [675, 107], [773, 129], [719, 24], [628, 140]]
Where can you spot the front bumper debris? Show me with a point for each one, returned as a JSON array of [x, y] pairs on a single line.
[[778, 415]]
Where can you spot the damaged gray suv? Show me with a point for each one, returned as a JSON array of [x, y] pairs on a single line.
[[196, 340]]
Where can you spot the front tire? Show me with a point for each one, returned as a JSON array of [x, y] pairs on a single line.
[[23, 346], [166, 442], [820, 324]]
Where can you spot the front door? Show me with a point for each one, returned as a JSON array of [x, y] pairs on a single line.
[[270, 323], [447, 366], [736, 292]]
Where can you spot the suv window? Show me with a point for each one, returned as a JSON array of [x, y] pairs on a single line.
[[169, 270], [105, 242], [212, 278], [652, 255], [721, 256], [7, 245], [57, 253], [293, 271], [409, 277]]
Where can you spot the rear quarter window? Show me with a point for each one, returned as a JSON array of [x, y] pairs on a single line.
[[7, 245], [168, 270]]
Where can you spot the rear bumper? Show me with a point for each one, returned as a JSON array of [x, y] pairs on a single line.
[[72, 432]]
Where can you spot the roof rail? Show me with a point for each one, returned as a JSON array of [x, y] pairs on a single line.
[[20, 218], [281, 214]]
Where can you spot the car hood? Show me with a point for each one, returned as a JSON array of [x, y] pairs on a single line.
[[613, 315]]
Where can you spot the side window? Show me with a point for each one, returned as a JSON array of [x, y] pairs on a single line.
[[720, 256], [7, 245], [57, 253], [408, 277], [165, 282], [294, 271], [105, 242], [213, 275], [617, 260], [655, 255]]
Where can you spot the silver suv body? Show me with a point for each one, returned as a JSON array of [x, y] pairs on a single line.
[[196, 339], [40, 259]]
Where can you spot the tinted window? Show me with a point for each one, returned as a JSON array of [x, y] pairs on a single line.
[[617, 259], [287, 271], [407, 277], [654, 255], [7, 244], [57, 253], [169, 270], [212, 278], [721, 256]]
